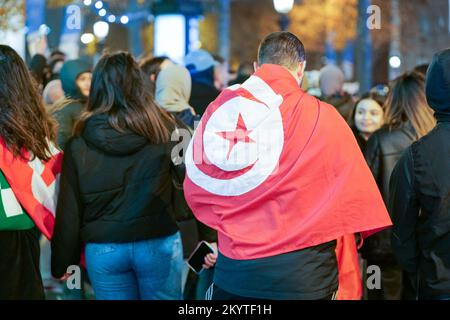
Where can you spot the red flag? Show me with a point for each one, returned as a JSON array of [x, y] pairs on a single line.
[[275, 170], [350, 283], [34, 184]]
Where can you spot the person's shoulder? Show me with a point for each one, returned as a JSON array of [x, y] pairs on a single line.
[[74, 145], [327, 110], [66, 107], [383, 133]]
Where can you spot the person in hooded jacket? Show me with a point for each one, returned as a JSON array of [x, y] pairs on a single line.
[[419, 200], [75, 78], [173, 89], [116, 190]]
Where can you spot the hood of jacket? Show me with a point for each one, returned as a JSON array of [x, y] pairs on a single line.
[[99, 133], [173, 88], [69, 74], [438, 85]]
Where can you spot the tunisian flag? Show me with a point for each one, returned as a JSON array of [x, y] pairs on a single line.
[[275, 170], [34, 184]]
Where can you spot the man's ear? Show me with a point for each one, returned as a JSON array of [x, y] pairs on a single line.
[[301, 69], [255, 66], [153, 77]]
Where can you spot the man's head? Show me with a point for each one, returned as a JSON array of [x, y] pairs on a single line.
[[331, 80], [283, 49]]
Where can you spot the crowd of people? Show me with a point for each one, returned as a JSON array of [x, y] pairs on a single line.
[[87, 161]]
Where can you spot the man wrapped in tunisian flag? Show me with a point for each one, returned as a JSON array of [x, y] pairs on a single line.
[[279, 175]]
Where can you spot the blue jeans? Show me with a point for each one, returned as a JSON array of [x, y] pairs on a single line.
[[144, 270]]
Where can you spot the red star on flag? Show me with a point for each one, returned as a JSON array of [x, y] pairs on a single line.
[[241, 134]]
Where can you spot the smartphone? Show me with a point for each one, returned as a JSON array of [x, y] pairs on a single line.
[[197, 258]]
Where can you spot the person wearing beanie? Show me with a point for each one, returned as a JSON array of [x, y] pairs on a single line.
[[419, 199], [331, 82], [201, 66], [75, 78]]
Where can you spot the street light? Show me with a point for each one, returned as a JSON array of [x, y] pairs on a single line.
[[87, 38], [395, 62], [101, 29], [283, 7], [124, 19]]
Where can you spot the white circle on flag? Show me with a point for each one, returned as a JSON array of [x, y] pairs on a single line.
[[253, 156], [218, 149]]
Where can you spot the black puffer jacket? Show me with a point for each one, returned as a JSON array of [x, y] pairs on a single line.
[[383, 150], [420, 210], [115, 188]]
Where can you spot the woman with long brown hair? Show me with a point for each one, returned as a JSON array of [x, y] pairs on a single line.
[[26, 135], [407, 118], [116, 190]]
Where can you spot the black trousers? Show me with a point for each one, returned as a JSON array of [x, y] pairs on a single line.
[[216, 293], [20, 277], [391, 283]]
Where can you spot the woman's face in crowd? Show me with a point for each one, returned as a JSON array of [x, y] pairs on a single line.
[[84, 83], [369, 116]]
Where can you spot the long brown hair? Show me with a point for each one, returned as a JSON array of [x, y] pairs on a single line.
[[407, 102], [120, 90], [24, 123]]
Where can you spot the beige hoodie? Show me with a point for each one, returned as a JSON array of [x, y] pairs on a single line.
[[173, 89]]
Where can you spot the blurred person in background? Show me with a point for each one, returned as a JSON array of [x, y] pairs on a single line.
[[173, 89], [53, 92], [331, 83], [220, 72], [152, 66], [55, 63], [76, 82], [40, 70], [420, 197], [116, 190], [27, 134], [407, 118], [201, 66], [245, 70]]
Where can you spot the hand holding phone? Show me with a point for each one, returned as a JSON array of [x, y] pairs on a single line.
[[203, 253]]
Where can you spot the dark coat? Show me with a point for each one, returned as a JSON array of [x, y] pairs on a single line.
[[383, 150], [343, 103], [115, 188], [201, 96], [420, 210]]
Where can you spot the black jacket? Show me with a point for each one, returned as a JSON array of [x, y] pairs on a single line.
[[383, 150], [201, 96], [115, 187], [343, 103], [420, 210]]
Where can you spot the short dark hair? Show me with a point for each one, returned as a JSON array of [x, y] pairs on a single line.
[[152, 66], [282, 48]]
